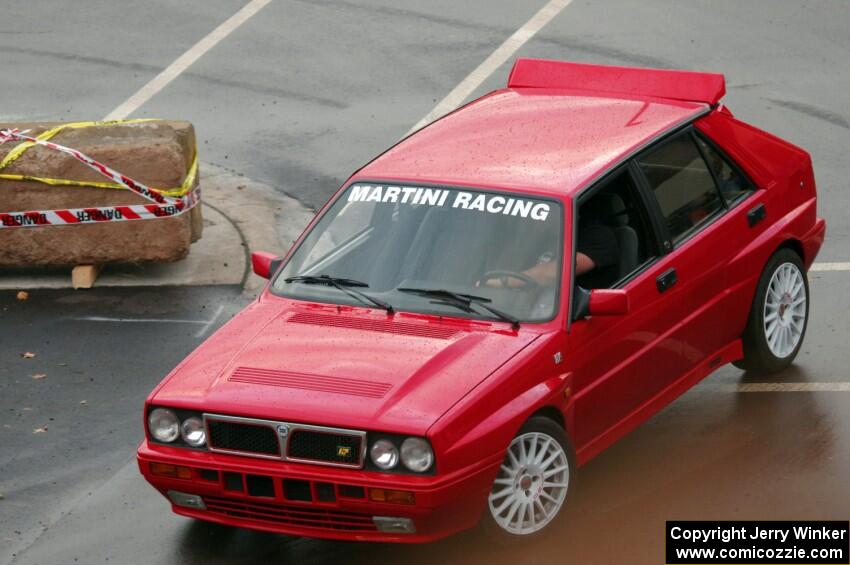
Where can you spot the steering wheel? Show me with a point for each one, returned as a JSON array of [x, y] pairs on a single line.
[[503, 276]]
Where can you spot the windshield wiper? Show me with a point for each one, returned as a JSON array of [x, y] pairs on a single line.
[[462, 301], [348, 286]]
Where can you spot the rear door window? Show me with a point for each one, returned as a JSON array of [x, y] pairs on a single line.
[[732, 183], [682, 184]]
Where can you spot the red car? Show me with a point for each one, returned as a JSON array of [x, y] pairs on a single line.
[[488, 305]]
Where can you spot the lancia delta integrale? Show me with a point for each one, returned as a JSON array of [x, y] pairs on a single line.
[[488, 305]]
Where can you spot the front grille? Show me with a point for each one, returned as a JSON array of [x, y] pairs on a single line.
[[272, 439], [328, 447], [303, 517], [237, 436]]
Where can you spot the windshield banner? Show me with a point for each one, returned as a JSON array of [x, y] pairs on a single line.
[[451, 198]]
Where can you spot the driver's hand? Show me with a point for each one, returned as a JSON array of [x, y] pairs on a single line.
[[500, 282]]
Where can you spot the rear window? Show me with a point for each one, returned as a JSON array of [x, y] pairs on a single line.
[[682, 184]]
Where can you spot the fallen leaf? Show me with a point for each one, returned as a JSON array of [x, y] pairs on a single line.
[[27, 355], [39, 376], [84, 402], [23, 295], [40, 430]]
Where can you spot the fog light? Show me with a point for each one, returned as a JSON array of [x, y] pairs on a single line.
[[173, 471], [391, 496], [391, 525], [187, 500]]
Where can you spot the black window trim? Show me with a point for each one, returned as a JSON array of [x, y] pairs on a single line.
[[715, 179], [657, 219], [627, 160], [669, 244], [753, 188], [627, 168]]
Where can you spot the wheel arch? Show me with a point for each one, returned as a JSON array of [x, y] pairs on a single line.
[[493, 434], [552, 413], [794, 245]]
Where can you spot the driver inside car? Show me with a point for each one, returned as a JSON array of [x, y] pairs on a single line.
[[596, 257]]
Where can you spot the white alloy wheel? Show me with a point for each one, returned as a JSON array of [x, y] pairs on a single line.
[[785, 310], [532, 484]]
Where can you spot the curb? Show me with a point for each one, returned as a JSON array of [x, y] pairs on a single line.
[[266, 219]]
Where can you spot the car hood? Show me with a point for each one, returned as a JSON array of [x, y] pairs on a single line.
[[341, 367]]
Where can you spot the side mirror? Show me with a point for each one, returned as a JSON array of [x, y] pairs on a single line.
[[599, 302], [609, 302], [265, 264]]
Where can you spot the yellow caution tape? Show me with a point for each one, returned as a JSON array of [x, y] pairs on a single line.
[[21, 148]]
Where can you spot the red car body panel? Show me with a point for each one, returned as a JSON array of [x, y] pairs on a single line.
[[468, 385], [399, 376], [541, 141]]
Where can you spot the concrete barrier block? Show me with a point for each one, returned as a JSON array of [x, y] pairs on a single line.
[[157, 153]]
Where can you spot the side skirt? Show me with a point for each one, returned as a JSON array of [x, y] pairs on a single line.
[[730, 352]]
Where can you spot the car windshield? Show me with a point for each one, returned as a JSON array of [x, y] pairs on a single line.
[[445, 251]]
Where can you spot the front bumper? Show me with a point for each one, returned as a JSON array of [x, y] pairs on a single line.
[[316, 501]]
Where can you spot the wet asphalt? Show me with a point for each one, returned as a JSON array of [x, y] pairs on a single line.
[[299, 97], [73, 492]]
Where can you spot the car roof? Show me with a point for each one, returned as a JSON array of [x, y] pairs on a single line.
[[550, 141]]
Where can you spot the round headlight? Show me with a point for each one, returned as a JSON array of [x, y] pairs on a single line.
[[163, 425], [384, 454], [416, 454], [193, 433]]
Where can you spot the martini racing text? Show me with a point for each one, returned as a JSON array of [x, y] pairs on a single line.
[[443, 197]]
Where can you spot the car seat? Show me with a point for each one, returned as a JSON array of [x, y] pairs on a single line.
[[615, 215]]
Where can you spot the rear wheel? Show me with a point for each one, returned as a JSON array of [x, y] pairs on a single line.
[[533, 483], [779, 315]]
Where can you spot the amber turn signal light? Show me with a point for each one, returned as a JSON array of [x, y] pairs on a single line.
[[391, 496], [173, 471]]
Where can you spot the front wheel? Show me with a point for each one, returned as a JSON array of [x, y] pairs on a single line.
[[779, 315], [533, 482]]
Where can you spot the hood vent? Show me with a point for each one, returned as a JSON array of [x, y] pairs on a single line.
[[304, 381], [385, 326]]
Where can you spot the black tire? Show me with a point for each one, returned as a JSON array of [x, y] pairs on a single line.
[[543, 427], [758, 356]]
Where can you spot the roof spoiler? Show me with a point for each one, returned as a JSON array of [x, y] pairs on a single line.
[[674, 85]]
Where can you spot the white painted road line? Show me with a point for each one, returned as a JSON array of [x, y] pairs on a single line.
[[211, 321], [494, 61], [830, 267], [205, 324], [142, 320], [783, 387], [793, 387], [186, 60]]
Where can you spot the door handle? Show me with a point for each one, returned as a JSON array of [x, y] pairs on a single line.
[[756, 214], [666, 279]]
